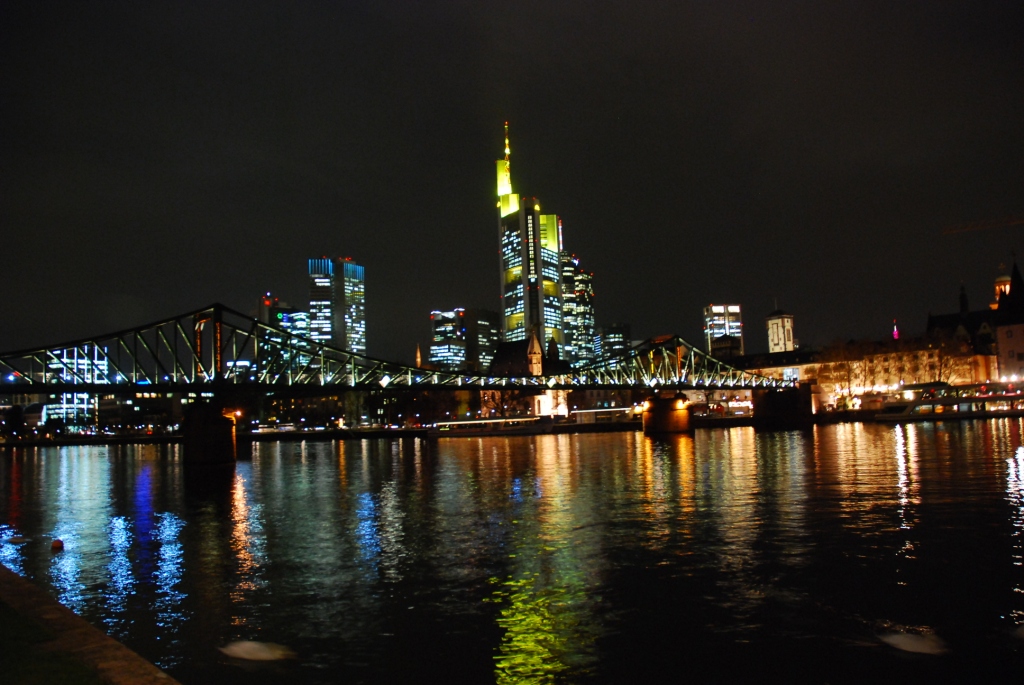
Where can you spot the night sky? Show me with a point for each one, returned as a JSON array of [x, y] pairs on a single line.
[[158, 157]]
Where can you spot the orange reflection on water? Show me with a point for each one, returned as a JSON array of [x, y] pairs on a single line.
[[246, 543]]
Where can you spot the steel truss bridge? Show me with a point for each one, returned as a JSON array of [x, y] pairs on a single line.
[[218, 347]]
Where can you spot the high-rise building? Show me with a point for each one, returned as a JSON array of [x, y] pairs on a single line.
[[612, 341], [531, 292], [577, 310], [352, 336], [483, 334], [337, 312], [283, 352], [448, 344], [721, 320], [780, 331], [321, 300], [464, 339]]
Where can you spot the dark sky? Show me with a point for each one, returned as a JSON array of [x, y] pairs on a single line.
[[157, 157]]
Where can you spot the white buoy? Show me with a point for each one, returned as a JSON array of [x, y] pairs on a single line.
[[257, 651]]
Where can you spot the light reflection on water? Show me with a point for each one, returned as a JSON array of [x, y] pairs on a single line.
[[1015, 495], [122, 578], [568, 558]]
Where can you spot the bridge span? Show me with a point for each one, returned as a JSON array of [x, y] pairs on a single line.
[[218, 347]]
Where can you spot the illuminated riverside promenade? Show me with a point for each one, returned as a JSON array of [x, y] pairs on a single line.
[[572, 558]]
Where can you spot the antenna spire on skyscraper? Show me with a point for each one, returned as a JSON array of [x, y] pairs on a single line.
[[505, 177], [507, 150]]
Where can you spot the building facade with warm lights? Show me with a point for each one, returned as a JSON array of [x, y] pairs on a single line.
[[721, 320], [530, 244], [1010, 326]]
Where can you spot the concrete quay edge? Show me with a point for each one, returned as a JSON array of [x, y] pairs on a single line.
[[112, 661]]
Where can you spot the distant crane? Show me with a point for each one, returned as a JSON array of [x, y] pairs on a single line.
[[985, 225]]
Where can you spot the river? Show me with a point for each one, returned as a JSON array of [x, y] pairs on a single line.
[[722, 556]]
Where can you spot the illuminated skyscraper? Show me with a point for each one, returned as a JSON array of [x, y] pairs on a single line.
[[464, 339], [721, 320], [531, 292], [337, 312], [612, 341], [352, 336], [483, 333], [448, 344], [276, 354], [321, 300], [577, 310]]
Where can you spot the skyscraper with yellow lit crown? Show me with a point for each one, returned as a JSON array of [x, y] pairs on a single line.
[[531, 294]]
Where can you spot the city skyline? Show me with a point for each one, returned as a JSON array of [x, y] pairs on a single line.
[[157, 161]]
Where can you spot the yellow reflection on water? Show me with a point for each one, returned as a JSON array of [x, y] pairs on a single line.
[[546, 610], [907, 495]]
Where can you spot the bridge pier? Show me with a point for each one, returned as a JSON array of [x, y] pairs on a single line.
[[209, 435], [667, 413], [783, 407]]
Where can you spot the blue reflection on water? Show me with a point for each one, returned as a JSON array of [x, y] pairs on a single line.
[[169, 615], [517, 490], [143, 506], [10, 553], [122, 580], [366, 528]]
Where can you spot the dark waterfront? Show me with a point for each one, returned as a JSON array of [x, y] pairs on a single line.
[[572, 558]]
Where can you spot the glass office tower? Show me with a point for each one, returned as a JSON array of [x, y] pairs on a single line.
[[353, 307], [577, 310], [321, 300], [448, 344], [337, 311], [721, 320]]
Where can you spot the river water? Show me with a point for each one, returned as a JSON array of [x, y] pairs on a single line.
[[723, 556]]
